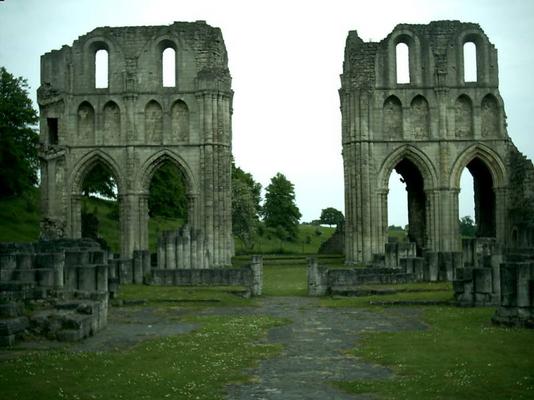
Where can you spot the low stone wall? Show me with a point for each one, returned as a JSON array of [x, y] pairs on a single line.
[[477, 286], [394, 252], [517, 295], [131, 270], [322, 281], [250, 276]]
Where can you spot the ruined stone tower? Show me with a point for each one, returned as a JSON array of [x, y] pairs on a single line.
[[133, 123], [428, 128]]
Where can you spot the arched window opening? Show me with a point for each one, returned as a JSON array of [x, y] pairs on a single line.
[[169, 67], [101, 69], [466, 206], [100, 208], [482, 198], [168, 204], [397, 209], [470, 62], [403, 63], [406, 192]]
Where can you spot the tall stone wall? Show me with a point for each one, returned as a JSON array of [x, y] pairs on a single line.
[[428, 130], [136, 124]]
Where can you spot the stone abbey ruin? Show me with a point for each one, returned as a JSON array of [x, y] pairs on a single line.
[[136, 123], [429, 129]]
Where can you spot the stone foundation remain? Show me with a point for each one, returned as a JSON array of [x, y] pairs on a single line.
[[323, 281], [517, 295], [66, 281], [250, 276]]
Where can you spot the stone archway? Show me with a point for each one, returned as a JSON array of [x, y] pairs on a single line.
[[78, 176], [135, 123], [436, 121]]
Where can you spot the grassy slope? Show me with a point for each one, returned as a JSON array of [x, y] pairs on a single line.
[[19, 218], [19, 222]]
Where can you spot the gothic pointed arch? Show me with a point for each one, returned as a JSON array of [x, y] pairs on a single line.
[[423, 163], [491, 159], [86, 164], [147, 170]]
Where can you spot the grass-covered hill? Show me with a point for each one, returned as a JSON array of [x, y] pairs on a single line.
[[19, 222]]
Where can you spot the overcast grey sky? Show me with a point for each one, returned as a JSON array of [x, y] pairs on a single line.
[[285, 59]]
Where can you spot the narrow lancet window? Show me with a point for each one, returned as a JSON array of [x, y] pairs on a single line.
[[169, 67], [470, 62], [101, 69], [403, 63]]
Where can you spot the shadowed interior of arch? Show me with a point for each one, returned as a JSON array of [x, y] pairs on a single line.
[[484, 198], [416, 201], [100, 216], [167, 200]]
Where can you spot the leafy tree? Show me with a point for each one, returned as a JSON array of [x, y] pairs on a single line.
[[279, 209], [467, 226], [167, 196], [99, 181], [331, 216], [244, 213], [18, 139], [248, 179]]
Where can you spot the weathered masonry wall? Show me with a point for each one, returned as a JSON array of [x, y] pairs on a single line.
[[249, 276], [68, 279], [136, 124], [429, 130]]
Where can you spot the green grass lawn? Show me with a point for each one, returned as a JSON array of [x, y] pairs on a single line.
[[460, 356], [285, 280], [169, 295], [197, 365]]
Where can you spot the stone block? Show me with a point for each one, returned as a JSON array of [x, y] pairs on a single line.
[[137, 267], [71, 278], [8, 263], [432, 267], [45, 277], [523, 284], [509, 284], [10, 310], [13, 326], [86, 278], [24, 261], [125, 271], [25, 275], [7, 341], [101, 278], [483, 280]]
